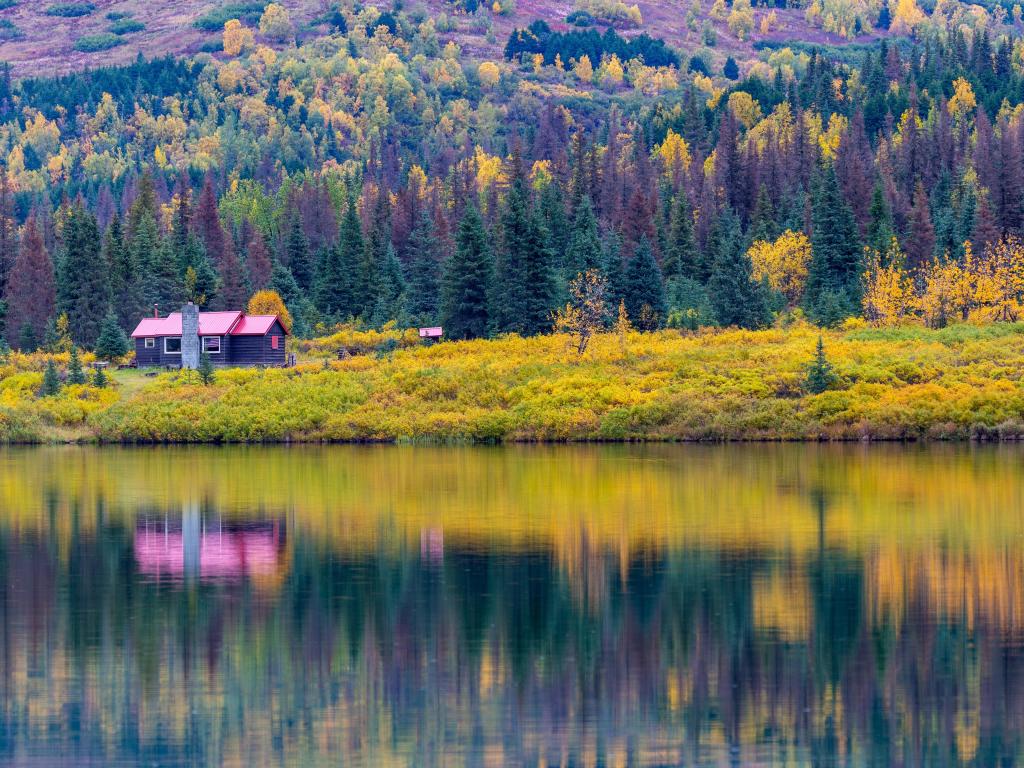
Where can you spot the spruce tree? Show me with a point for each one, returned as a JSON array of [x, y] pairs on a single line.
[[820, 375], [99, 379], [375, 254], [834, 277], [196, 273], [28, 341], [125, 291], [338, 274], [880, 230], [645, 289], [539, 268], [83, 290], [297, 254], [75, 373], [30, 289], [681, 250], [613, 270], [510, 311], [389, 291], [764, 222], [735, 298], [584, 251], [466, 285], [51, 381], [112, 341], [160, 282], [424, 283], [205, 369]]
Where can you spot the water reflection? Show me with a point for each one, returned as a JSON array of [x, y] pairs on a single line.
[[566, 606]]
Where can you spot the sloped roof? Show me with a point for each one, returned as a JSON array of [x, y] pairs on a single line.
[[210, 324], [254, 325]]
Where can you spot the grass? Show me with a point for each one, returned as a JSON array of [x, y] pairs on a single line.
[[101, 41], [963, 382]]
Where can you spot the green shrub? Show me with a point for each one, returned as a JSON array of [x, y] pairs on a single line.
[[5, 4], [9, 30], [214, 20], [118, 15], [70, 10], [98, 42], [126, 27]]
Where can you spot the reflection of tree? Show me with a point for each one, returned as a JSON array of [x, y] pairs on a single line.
[[386, 650]]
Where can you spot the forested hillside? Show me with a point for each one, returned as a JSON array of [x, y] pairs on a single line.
[[376, 171]]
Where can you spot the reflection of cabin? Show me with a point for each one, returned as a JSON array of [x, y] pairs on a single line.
[[196, 547], [229, 338]]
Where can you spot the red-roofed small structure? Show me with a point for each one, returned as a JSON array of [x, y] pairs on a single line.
[[230, 338]]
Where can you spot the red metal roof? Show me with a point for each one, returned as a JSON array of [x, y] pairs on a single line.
[[210, 324], [254, 325]]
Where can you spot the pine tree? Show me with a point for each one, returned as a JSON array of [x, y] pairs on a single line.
[[764, 222], [75, 373], [30, 289], [198, 279], [921, 243], [258, 261], [735, 298], [468, 276], [51, 381], [834, 277], [160, 283], [112, 341], [375, 253], [613, 269], [820, 375], [83, 292], [205, 370], [880, 230], [389, 291], [424, 283], [99, 379], [645, 289], [539, 268], [681, 250], [297, 254], [28, 341], [584, 251], [338, 275], [510, 312], [125, 291]]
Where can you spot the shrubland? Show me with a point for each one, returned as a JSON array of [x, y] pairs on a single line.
[[907, 383]]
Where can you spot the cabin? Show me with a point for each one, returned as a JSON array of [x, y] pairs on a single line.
[[230, 338]]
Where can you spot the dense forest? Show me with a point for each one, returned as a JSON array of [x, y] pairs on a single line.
[[381, 174]]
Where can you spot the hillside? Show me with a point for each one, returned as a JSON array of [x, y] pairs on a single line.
[[36, 41]]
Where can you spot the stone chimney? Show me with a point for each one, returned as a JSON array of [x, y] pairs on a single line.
[[190, 336]]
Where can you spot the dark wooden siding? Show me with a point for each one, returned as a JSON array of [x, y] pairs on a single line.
[[257, 350], [146, 358]]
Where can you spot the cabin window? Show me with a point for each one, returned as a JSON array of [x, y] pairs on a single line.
[[211, 344], [172, 345], [149, 343], [275, 342]]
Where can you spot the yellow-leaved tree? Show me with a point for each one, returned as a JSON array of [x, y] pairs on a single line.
[[269, 302], [782, 264], [275, 22], [889, 296], [489, 74], [237, 38]]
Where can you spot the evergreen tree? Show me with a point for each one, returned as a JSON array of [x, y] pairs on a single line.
[[338, 282], [198, 278], [539, 268], [51, 381], [75, 373], [258, 262], [297, 254], [681, 250], [735, 298], [389, 291], [731, 70], [510, 311], [160, 282], [820, 375], [616, 275], [99, 379], [112, 341], [834, 277], [880, 231], [30, 289], [644, 289], [205, 369], [466, 285], [83, 292], [764, 222], [375, 254], [125, 291], [28, 341], [584, 251], [921, 243], [424, 283]]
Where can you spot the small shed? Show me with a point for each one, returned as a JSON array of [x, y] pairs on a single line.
[[432, 334]]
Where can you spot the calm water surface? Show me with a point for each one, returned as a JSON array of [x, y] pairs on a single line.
[[593, 606]]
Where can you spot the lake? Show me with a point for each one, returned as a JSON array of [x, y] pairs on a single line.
[[542, 606]]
